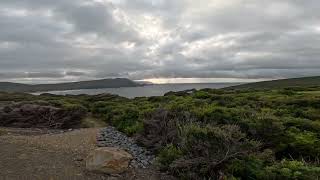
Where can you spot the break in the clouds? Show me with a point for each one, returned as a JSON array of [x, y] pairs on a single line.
[[68, 40]]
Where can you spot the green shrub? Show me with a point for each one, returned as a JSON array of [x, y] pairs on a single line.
[[286, 170], [209, 149], [287, 92], [201, 95], [134, 128], [167, 155], [75, 107], [250, 167], [267, 127], [3, 132], [301, 143], [218, 115]]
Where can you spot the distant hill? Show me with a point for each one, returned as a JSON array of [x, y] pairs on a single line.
[[94, 84], [294, 82]]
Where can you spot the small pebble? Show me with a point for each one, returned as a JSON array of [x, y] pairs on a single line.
[[110, 137]]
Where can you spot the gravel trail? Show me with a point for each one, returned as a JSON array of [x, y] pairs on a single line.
[[110, 137]]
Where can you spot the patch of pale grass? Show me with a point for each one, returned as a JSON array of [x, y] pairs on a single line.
[[310, 92], [92, 122], [3, 132]]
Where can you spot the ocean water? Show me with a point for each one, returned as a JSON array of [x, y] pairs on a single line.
[[143, 91]]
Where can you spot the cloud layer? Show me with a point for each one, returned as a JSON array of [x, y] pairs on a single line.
[[53, 41]]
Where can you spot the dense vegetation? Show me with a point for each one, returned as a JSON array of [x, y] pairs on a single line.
[[95, 84], [216, 134], [283, 83]]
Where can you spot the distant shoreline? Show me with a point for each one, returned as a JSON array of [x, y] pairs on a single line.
[[141, 91], [94, 84]]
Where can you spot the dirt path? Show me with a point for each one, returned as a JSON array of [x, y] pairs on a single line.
[[37, 154], [24, 154]]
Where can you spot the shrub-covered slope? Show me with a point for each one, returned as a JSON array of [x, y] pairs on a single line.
[[216, 134], [283, 83]]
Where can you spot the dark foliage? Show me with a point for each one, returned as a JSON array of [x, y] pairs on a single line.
[[160, 129], [26, 115]]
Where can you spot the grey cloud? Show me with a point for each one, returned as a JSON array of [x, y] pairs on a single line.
[[83, 39], [84, 16], [43, 75], [75, 73], [32, 75]]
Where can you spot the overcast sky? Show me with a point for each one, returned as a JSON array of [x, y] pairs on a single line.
[[158, 40]]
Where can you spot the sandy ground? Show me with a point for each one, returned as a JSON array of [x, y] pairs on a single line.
[[54, 155], [24, 155]]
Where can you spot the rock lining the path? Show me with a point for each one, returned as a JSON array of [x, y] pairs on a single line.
[[108, 160], [110, 137]]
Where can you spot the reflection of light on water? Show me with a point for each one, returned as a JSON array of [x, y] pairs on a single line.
[[200, 80], [147, 91]]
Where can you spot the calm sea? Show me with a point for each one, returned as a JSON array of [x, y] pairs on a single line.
[[147, 91]]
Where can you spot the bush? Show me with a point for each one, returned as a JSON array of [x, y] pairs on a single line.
[[125, 119], [209, 149], [3, 132], [268, 128], [75, 108], [25, 115], [292, 170], [134, 128], [301, 144], [287, 92], [201, 95], [218, 115], [167, 155], [161, 129], [251, 167]]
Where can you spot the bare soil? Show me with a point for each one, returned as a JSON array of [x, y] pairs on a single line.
[[54, 155]]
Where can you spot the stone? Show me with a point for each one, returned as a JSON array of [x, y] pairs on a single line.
[[108, 160], [113, 138]]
